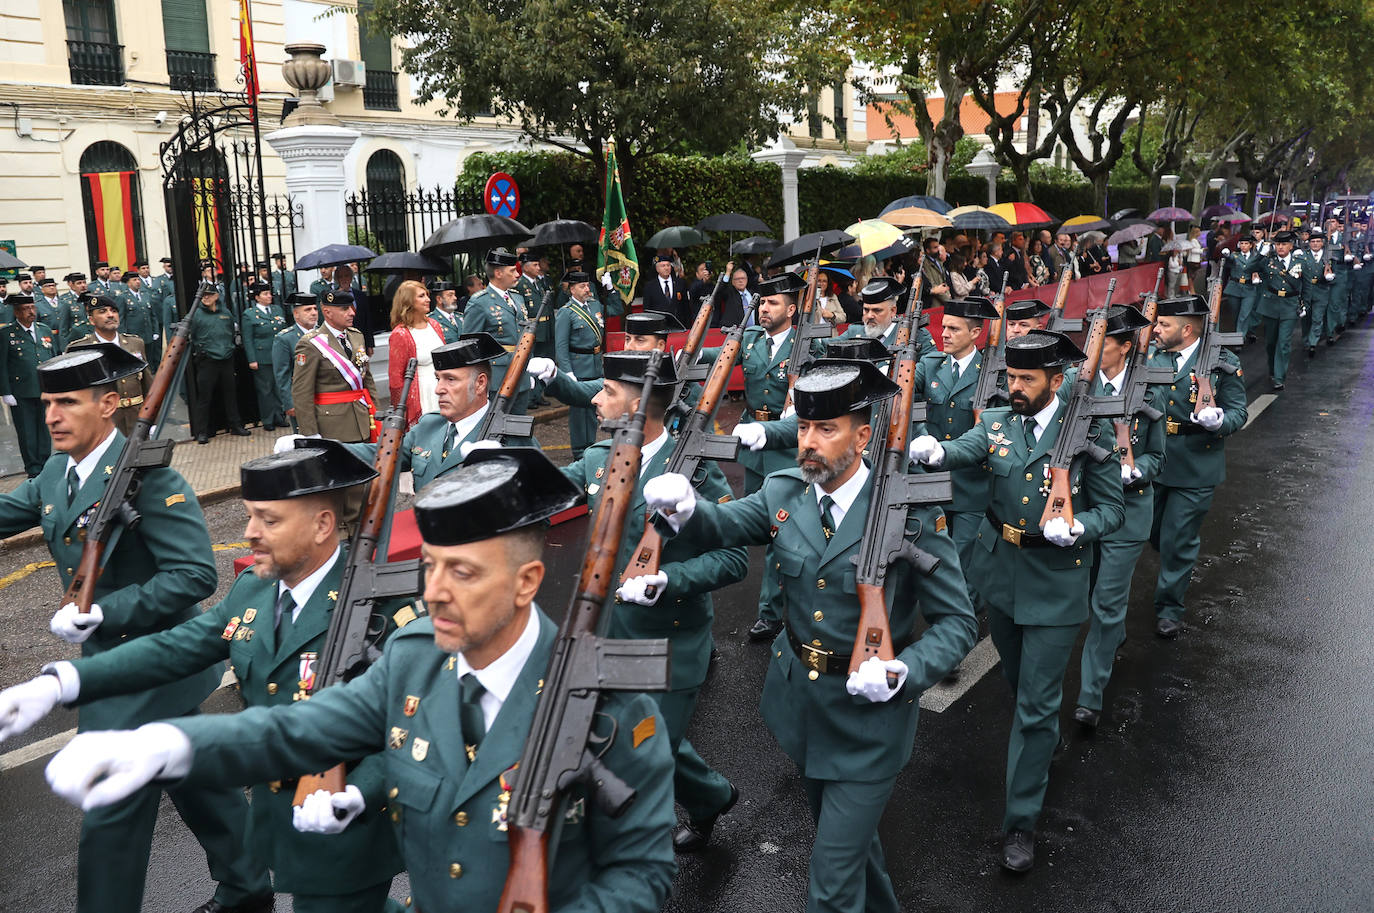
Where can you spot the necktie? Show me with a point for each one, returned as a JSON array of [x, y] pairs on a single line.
[[73, 485], [770, 349], [954, 370], [348, 349], [1109, 388], [470, 713], [1030, 433], [449, 435], [827, 518], [667, 290], [286, 605], [1173, 356]]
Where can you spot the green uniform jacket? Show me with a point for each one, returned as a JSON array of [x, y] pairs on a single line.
[[20, 356], [1280, 291], [1199, 460], [695, 565], [949, 413], [830, 734], [1036, 586], [1243, 269], [283, 284], [580, 338], [283, 361], [260, 328], [448, 813], [240, 629], [72, 322], [212, 333], [543, 330], [1316, 287], [488, 312], [422, 449], [451, 324], [319, 287], [153, 578], [50, 315], [139, 316]]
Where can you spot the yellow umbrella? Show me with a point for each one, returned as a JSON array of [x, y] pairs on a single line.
[[873, 235], [915, 217]]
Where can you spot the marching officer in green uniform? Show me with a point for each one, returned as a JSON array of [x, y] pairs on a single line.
[[72, 322], [1024, 316], [332, 388], [260, 325], [850, 734], [24, 345], [1342, 263], [137, 316], [580, 338], [305, 314], [1035, 582], [104, 321], [1280, 301], [1362, 277], [449, 706], [1194, 453], [880, 316], [500, 311], [153, 579], [1318, 282], [283, 279], [539, 284], [271, 626], [644, 332], [1243, 284], [1118, 552], [674, 603], [445, 298]]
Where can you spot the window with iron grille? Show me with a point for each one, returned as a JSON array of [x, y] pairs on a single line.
[[94, 55], [112, 204], [190, 65], [386, 196]]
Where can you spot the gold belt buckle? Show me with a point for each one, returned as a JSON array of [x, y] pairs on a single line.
[[762, 415], [1011, 534], [816, 658], [1242, 281], [1283, 293], [1171, 426]]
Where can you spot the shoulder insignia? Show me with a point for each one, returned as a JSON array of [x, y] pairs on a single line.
[[593, 488], [723, 498], [412, 704], [333, 595], [249, 615], [405, 616], [644, 730], [177, 498], [941, 523], [300, 358], [600, 471]]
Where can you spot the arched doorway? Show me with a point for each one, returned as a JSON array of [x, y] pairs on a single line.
[[112, 204], [386, 194]]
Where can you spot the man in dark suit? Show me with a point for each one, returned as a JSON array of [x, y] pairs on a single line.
[[735, 306], [1018, 276], [666, 293]]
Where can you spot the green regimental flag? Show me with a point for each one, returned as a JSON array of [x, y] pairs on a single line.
[[616, 249]]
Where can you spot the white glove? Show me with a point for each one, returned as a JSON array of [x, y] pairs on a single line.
[[286, 443], [467, 447], [75, 626], [1349, 258], [751, 435], [1367, 257], [542, 368], [1061, 534], [319, 813], [1226, 252], [1129, 474], [1209, 418], [1359, 266], [643, 590], [925, 449], [870, 681], [9, 400], [25, 704], [788, 411], [673, 496], [1295, 271], [606, 281], [101, 768]]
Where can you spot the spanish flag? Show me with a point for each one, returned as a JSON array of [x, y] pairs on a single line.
[[112, 205], [248, 55]]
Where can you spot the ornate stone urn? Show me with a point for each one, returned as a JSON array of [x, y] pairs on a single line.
[[307, 73]]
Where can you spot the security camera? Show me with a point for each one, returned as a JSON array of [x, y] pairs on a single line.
[[160, 118]]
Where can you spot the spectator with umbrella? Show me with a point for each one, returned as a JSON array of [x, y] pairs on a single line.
[[416, 335], [1038, 261], [1093, 259], [735, 304]]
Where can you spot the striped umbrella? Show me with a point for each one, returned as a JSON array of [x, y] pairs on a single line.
[[977, 217], [872, 235], [1024, 215], [1079, 224], [915, 217]]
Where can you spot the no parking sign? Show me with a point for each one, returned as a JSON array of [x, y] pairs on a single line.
[[502, 195]]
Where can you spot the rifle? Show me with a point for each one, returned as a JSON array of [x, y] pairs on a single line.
[[562, 750], [1139, 376], [1058, 323], [695, 443], [141, 453], [809, 326], [498, 424], [994, 358], [1210, 344], [686, 364], [350, 645], [884, 538]]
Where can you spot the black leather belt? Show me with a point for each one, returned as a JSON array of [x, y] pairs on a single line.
[[1015, 535], [1173, 427], [827, 662], [594, 350]]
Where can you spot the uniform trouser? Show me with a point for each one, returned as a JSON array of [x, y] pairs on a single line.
[[963, 529], [154, 350], [1314, 322], [770, 588], [214, 377], [581, 429], [700, 790], [848, 871], [1034, 658], [368, 900], [265, 386], [1176, 535], [1245, 311], [1338, 308], [35, 444], [1278, 344], [1360, 302], [1107, 625]]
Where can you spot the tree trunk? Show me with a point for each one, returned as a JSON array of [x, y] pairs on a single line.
[[1023, 183], [1099, 179]]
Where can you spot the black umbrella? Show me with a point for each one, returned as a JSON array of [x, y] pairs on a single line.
[[406, 262], [807, 246], [677, 236], [564, 231], [467, 234], [334, 255], [756, 244], [732, 222], [10, 261]]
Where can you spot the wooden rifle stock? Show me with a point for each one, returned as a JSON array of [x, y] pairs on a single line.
[[794, 365], [527, 889], [989, 369], [1060, 500], [1148, 308], [1206, 394]]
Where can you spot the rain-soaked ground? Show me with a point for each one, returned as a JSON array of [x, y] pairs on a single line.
[[1232, 769]]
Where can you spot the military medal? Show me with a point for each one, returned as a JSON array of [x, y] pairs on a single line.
[[412, 704], [230, 628], [419, 749], [398, 737], [307, 670], [249, 615], [782, 515]]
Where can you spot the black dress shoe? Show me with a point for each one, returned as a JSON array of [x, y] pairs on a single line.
[[1276, 386], [1085, 717], [765, 630], [1311, 351], [692, 836], [1018, 851], [202, 439], [267, 427], [261, 904], [1251, 337], [240, 431], [1168, 628]]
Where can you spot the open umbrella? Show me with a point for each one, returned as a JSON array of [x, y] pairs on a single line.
[[677, 236], [10, 261], [1126, 213], [334, 255], [903, 245], [919, 201], [731, 222], [467, 234], [406, 262], [1175, 244], [1024, 215], [1130, 233], [1079, 224], [977, 217], [1170, 214], [915, 217], [873, 235], [1234, 218], [806, 246], [564, 231], [757, 244], [1216, 209]]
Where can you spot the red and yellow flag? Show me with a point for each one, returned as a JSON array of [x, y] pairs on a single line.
[[248, 55], [112, 205]]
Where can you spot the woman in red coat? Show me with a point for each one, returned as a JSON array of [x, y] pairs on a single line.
[[413, 335]]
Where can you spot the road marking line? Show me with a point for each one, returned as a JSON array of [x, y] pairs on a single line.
[[40, 749], [26, 570], [1262, 402], [977, 664]]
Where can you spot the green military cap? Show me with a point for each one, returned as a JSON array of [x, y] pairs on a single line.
[[467, 350], [832, 387], [316, 465], [1124, 320], [337, 298], [86, 367], [494, 491], [629, 367], [1042, 349]]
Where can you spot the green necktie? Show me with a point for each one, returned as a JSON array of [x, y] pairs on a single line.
[[954, 370], [73, 485], [286, 605], [1030, 433], [448, 438], [827, 518], [470, 713]]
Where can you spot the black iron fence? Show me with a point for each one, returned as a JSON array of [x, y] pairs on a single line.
[[191, 70], [96, 63], [397, 221]]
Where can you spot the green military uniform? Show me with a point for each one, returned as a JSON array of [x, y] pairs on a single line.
[[580, 338], [451, 324], [152, 580], [544, 329], [422, 450], [765, 394], [283, 284], [212, 351], [72, 321], [490, 312], [50, 315], [21, 352], [695, 566], [1362, 277], [260, 328], [137, 315], [450, 813], [319, 287], [1194, 464], [283, 361], [1317, 288], [1242, 288], [1280, 299], [1343, 264], [132, 389], [315, 374]]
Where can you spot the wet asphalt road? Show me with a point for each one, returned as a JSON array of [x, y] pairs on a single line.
[[1231, 770]]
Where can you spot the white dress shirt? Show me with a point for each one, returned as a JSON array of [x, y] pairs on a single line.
[[843, 497], [499, 676], [301, 592]]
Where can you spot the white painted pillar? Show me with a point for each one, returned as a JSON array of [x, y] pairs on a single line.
[[785, 154], [315, 178]]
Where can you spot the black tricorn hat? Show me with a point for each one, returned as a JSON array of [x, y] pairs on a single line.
[[1124, 320], [86, 367], [1183, 306], [832, 387], [1042, 349], [857, 348], [164, 260], [975, 307], [130, 274], [467, 350], [257, 288], [102, 264], [494, 491], [499, 256], [1285, 236], [337, 298], [651, 323], [443, 287], [136, 264], [574, 276], [781, 284], [1316, 234], [1027, 310], [316, 465], [880, 289], [74, 277], [18, 299], [529, 256], [629, 367], [301, 299], [93, 300]]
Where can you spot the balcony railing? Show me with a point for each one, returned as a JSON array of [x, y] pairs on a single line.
[[191, 70], [96, 63], [379, 91]]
